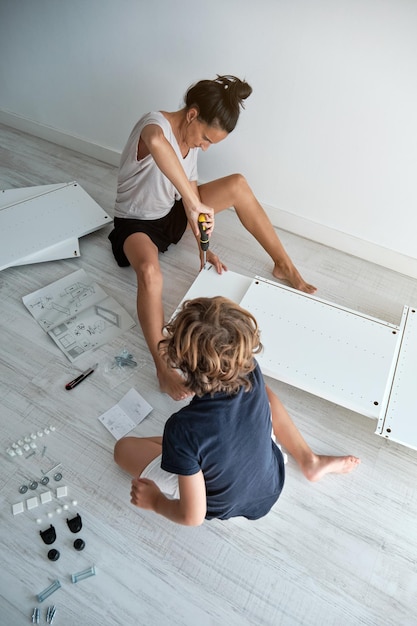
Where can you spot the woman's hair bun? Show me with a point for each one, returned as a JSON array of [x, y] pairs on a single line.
[[236, 89], [219, 101]]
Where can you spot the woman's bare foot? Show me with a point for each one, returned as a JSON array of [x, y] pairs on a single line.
[[172, 383], [320, 465], [292, 275]]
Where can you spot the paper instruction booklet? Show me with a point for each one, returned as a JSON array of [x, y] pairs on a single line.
[[77, 314], [126, 414]]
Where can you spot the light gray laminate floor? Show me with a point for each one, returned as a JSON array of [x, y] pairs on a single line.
[[343, 551]]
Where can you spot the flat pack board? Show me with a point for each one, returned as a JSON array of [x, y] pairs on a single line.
[[320, 347], [399, 420], [351, 359], [325, 349], [209, 283], [44, 223]]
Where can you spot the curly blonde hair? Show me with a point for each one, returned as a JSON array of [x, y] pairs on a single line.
[[212, 342]]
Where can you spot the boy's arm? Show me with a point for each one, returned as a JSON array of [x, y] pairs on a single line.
[[191, 507]]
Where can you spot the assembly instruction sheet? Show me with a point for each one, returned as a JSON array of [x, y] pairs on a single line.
[[77, 314], [126, 414]]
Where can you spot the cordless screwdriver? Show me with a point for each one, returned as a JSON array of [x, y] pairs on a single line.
[[204, 238]]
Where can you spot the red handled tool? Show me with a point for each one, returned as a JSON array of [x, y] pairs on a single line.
[[80, 378]]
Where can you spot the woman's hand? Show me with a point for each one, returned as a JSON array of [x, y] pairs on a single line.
[[193, 214], [214, 260]]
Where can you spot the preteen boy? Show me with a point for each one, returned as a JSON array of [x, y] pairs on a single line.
[[217, 458]]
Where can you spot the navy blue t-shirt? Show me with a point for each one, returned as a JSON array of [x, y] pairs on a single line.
[[228, 437]]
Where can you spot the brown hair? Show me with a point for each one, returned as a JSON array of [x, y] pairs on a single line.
[[212, 342], [218, 101]]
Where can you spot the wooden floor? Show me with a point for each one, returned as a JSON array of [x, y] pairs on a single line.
[[340, 552]]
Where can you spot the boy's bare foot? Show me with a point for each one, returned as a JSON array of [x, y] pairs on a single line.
[[320, 465], [293, 277], [172, 383]]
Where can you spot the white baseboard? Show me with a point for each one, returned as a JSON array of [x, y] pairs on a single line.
[[60, 138], [344, 242], [339, 240]]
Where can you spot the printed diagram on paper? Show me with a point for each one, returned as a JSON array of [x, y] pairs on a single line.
[[77, 314], [124, 416]]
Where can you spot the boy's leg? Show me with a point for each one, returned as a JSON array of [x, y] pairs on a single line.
[[314, 466], [133, 454], [234, 191], [142, 254]]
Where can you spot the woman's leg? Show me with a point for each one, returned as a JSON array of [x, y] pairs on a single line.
[[234, 191], [314, 466], [133, 454], [142, 254]]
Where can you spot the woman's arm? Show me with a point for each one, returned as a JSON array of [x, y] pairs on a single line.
[[165, 158], [191, 507]]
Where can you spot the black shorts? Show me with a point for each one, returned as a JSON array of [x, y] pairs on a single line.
[[162, 232]]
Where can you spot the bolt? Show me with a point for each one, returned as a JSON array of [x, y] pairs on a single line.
[[50, 614]]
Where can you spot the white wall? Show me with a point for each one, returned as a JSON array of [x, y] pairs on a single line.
[[328, 139]]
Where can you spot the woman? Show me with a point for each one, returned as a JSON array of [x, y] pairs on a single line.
[[158, 194]]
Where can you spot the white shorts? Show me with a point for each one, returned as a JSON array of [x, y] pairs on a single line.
[[167, 482]]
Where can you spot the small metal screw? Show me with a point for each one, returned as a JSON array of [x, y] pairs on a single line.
[[33, 485], [50, 614], [58, 476], [23, 489], [44, 480]]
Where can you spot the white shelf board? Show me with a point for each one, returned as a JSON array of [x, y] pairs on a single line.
[[328, 350], [43, 223], [399, 421]]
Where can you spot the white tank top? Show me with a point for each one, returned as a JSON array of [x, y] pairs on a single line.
[[143, 191]]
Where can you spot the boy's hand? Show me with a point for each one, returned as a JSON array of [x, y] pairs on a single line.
[[190, 509], [144, 493]]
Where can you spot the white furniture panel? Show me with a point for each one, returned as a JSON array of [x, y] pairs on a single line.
[[399, 420], [330, 351], [362, 363], [44, 223], [209, 283]]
